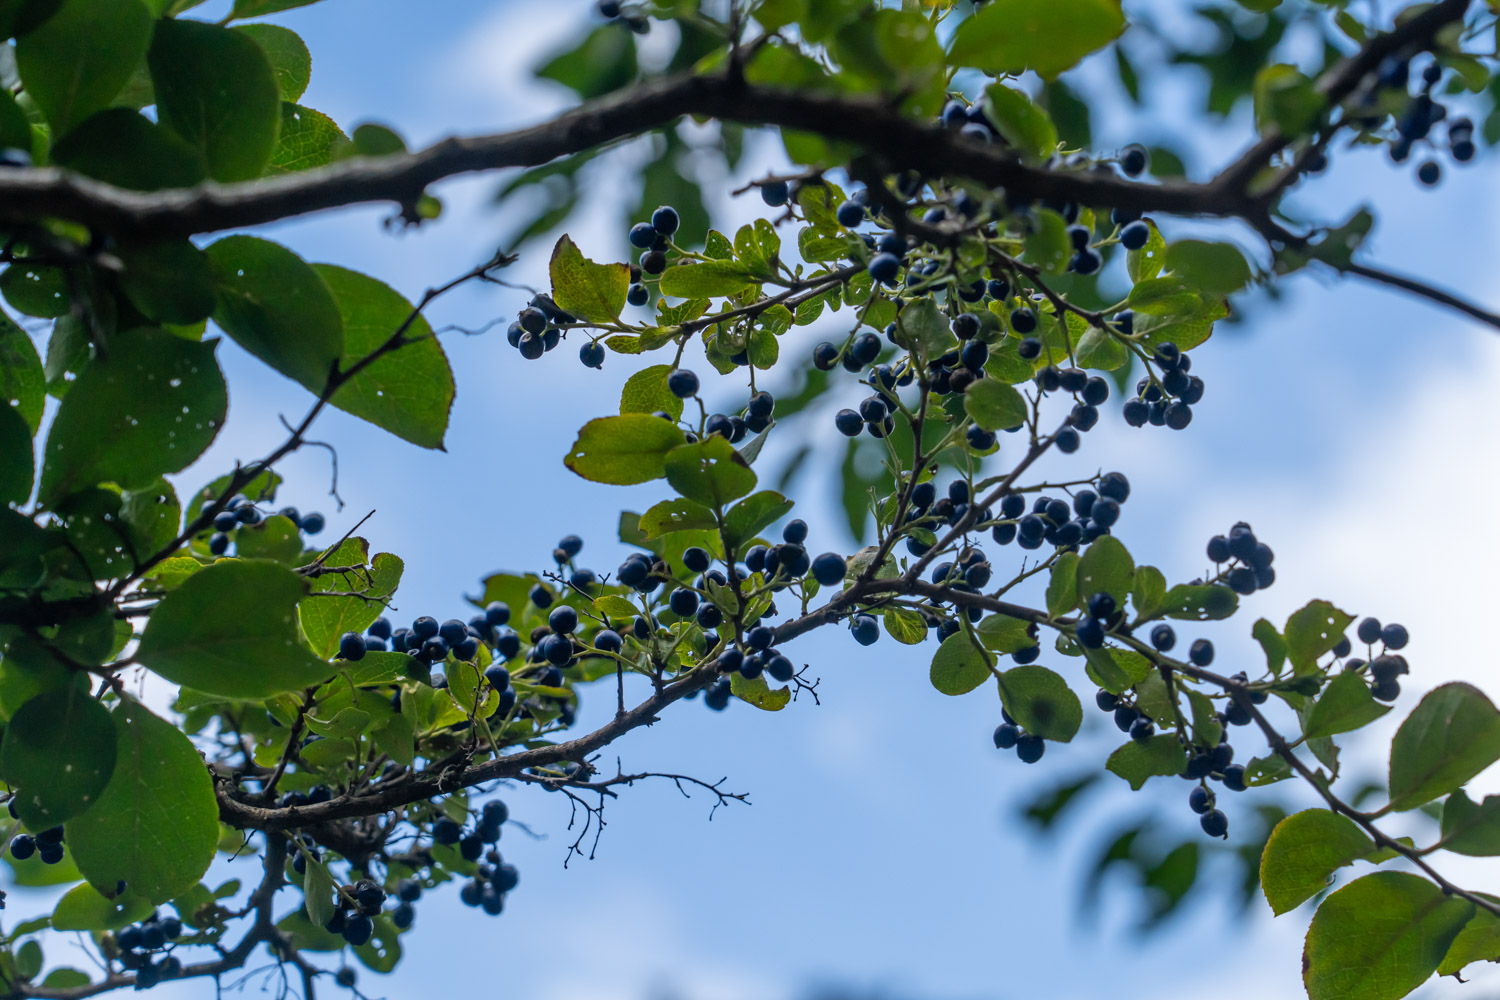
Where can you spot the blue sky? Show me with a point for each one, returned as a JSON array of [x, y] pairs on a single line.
[[881, 849]]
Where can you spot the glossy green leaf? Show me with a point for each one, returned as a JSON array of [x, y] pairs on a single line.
[[1041, 702], [1303, 853], [678, 514], [1004, 634], [1479, 941], [904, 625], [22, 380], [1048, 36], [17, 459], [1136, 761], [589, 291], [20, 16], [1380, 937], [1452, 735], [1313, 631], [706, 280], [624, 450], [1345, 705], [124, 148], [58, 753], [1062, 589], [709, 471], [231, 630], [605, 61], [148, 407], [759, 693], [1199, 603], [959, 665], [994, 405], [1020, 120], [214, 87], [1148, 591], [83, 908], [1116, 670], [646, 392], [408, 391], [318, 894], [1471, 828], [156, 825], [1271, 641], [291, 63], [326, 619], [1146, 263], [1218, 268], [1047, 244], [274, 305], [81, 57], [752, 515], [1106, 567], [169, 281], [306, 139]]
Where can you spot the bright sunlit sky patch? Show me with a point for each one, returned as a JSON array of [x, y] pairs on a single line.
[[1351, 427]]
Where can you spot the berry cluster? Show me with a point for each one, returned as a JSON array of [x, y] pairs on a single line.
[[240, 511], [1242, 560], [145, 949], [1029, 747], [1168, 400], [46, 845], [1415, 124], [1383, 667], [614, 10], [537, 331]]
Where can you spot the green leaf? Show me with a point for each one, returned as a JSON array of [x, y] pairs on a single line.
[[1148, 592], [23, 384], [1136, 761], [1285, 100], [1047, 245], [589, 291], [1048, 36], [624, 450], [1452, 735], [66, 979], [408, 391], [1020, 120], [1344, 706], [1116, 670], [1041, 702], [1146, 263], [1380, 937], [306, 139], [1271, 641], [923, 327], [1200, 603], [678, 514], [318, 894], [959, 665], [214, 87], [1217, 268], [759, 693], [1479, 941], [1471, 828], [905, 626], [709, 471], [20, 16], [81, 57], [148, 407], [646, 392], [58, 754], [124, 148], [230, 629], [326, 619], [705, 280], [82, 908], [1267, 770], [1207, 729], [1062, 589], [1303, 853], [603, 62], [38, 290], [291, 63], [1106, 567], [169, 281], [157, 824], [276, 538], [995, 406], [1313, 631], [277, 307], [1004, 634], [750, 516], [17, 460]]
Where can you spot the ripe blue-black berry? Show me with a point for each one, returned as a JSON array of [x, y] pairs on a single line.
[[850, 214], [22, 846], [638, 294], [1007, 734], [795, 531], [1142, 729], [1026, 654], [683, 601], [1023, 320], [1201, 652], [1105, 512], [225, 520], [352, 646], [218, 543], [1102, 604], [1234, 777], [1218, 549], [1115, 486], [1133, 160], [591, 354], [453, 631], [974, 354], [1090, 633], [1086, 262], [1163, 638], [682, 383], [642, 235], [884, 268], [1368, 631], [980, 439], [1067, 440], [540, 596], [774, 193], [1135, 235], [1215, 823], [1030, 748], [1107, 701], [865, 348], [829, 569], [1394, 636], [665, 220], [848, 422], [865, 629], [1136, 412]]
